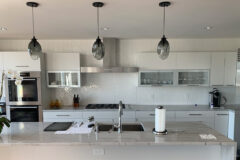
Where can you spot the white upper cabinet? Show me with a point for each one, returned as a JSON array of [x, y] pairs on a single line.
[[223, 68], [151, 61], [217, 69], [176, 60], [230, 69], [63, 61], [193, 60], [20, 61]]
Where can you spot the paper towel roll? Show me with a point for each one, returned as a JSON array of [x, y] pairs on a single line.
[[160, 119]]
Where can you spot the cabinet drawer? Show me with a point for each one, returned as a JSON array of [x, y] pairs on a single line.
[[62, 115], [221, 113], [193, 114], [62, 120], [150, 115]]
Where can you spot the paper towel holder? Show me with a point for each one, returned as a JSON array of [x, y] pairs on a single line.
[[159, 133]]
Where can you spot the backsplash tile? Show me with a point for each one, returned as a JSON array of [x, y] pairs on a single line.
[[113, 87]]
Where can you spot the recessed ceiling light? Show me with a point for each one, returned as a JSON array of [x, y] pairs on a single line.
[[208, 28], [105, 28], [3, 28]]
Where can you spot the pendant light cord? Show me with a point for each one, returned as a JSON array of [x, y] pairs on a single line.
[[163, 20], [33, 22], [98, 20]]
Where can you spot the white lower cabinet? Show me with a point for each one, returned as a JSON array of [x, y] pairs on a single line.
[[149, 116], [62, 116], [221, 122], [218, 120], [206, 117]]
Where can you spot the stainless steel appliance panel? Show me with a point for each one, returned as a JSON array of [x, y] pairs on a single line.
[[28, 93], [24, 113]]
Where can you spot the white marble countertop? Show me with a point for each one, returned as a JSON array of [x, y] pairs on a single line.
[[179, 133], [149, 108]]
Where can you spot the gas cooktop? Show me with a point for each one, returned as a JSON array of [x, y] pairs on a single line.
[[103, 106]]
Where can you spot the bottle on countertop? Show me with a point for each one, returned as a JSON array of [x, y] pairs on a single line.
[[76, 100]]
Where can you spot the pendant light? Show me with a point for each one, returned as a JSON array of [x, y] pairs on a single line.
[[163, 48], [34, 48], [98, 49]]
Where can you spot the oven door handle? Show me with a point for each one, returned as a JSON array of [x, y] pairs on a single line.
[[23, 107], [28, 79]]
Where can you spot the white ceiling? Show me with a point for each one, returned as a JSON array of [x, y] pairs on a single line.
[[67, 19]]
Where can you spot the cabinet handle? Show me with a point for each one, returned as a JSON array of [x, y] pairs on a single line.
[[22, 66], [195, 114], [63, 115], [222, 114], [151, 114]]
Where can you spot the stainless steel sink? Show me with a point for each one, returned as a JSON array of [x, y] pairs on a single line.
[[137, 127]]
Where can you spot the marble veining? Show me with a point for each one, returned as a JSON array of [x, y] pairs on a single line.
[[180, 133]]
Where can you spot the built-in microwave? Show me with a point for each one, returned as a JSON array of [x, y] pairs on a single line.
[[27, 93]]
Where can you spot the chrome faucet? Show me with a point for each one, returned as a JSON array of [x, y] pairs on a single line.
[[120, 111]]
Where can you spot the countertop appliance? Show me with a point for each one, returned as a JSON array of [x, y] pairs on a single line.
[[215, 98], [103, 106], [28, 93]]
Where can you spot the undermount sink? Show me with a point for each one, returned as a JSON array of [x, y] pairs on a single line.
[[125, 127]]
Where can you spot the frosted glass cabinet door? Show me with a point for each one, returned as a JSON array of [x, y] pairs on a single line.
[[193, 77], [63, 79], [156, 78]]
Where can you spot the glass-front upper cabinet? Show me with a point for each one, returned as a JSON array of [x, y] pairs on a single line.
[[59, 79], [193, 77], [156, 78]]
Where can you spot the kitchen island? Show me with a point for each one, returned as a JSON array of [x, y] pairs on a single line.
[[28, 141]]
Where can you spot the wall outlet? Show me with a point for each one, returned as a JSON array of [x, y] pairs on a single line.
[[98, 151]]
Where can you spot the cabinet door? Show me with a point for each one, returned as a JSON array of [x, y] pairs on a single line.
[[205, 117], [221, 122], [20, 61], [193, 60], [151, 61], [230, 69], [149, 116], [217, 68], [63, 61], [156, 78], [193, 77]]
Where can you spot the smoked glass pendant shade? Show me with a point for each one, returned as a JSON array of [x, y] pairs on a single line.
[[34, 49], [98, 49], [163, 48]]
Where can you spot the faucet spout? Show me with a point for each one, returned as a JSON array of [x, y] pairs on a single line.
[[120, 113]]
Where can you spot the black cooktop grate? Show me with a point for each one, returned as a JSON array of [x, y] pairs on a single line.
[[103, 106]]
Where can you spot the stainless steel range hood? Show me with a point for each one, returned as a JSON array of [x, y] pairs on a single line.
[[110, 60]]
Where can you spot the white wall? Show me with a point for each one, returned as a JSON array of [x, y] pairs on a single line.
[[110, 88]]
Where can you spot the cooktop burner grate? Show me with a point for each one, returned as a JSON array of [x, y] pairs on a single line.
[[103, 106]]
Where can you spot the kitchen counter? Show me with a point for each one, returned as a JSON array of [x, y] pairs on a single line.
[[183, 141], [179, 133], [148, 108]]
